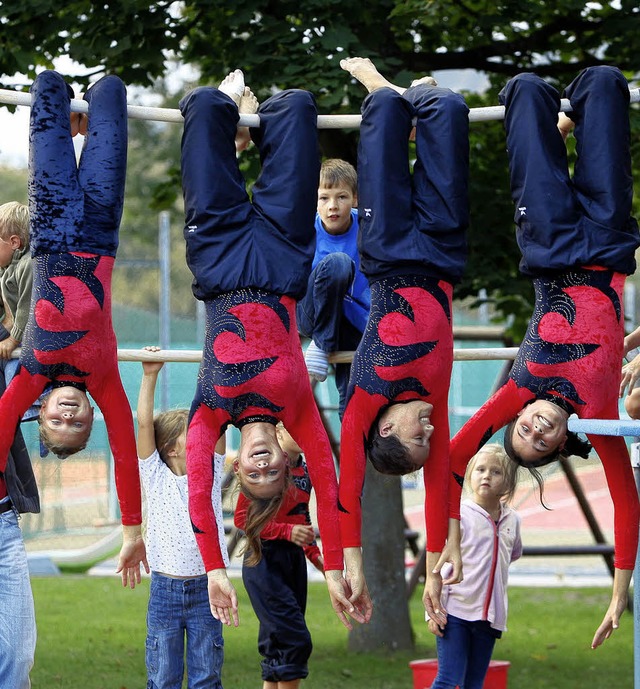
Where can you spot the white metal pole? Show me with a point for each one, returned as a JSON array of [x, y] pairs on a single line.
[[141, 112]]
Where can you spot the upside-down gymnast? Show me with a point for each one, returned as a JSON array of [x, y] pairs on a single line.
[[69, 342], [412, 249], [577, 239], [251, 261]]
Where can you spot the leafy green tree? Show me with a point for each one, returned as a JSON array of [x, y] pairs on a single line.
[[304, 39]]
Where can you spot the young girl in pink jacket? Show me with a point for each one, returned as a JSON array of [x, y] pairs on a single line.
[[477, 607]]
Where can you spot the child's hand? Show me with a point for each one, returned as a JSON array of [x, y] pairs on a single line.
[[223, 599], [132, 555], [431, 599], [617, 606], [565, 125], [302, 534], [630, 374], [151, 367], [451, 554], [357, 586], [7, 346], [79, 121], [346, 610], [435, 628], [610, 623]]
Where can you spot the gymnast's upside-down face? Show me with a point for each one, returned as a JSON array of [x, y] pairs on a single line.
[[540, 429], [67, 416], [410, 422], [261, 463]]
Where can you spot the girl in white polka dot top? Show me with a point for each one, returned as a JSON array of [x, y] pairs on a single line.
[[178, 603]]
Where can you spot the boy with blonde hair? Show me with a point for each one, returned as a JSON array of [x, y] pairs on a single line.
[[18, 489], [335, 308], [16, 275]]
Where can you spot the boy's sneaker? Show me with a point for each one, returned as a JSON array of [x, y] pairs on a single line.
[[317, 362]]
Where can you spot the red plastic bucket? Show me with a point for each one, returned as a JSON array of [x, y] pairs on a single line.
[[425, 671]]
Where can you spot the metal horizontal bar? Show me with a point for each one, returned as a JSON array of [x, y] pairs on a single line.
[[591, 426], [605, 426], [469, 354], [141, 112], [195, 355], [594, 549]]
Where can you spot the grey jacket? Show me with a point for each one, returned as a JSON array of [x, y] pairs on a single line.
[[19, 476]]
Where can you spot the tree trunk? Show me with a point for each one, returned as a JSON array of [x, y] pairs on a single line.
[[383, 550]]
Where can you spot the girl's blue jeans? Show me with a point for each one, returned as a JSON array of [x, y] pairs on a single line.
[[179, 615], [17, 619], [464, 653]]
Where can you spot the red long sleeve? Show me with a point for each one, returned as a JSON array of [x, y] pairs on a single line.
[[22, 392], [495, 413]]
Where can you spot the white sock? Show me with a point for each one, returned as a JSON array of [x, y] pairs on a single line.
[[317, 362]]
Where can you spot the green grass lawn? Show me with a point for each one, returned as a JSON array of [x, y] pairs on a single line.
[[91, 635]]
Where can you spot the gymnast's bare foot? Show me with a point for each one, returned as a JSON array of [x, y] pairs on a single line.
[[362, 69], [427, 81], [79, 121], [233, 85], [248, 105], [565, 125]]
